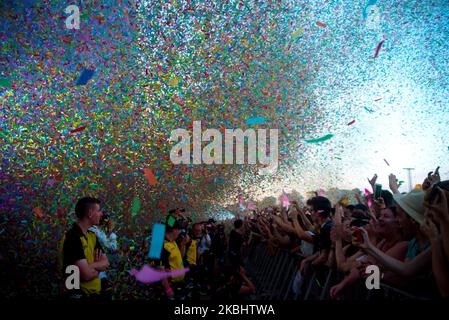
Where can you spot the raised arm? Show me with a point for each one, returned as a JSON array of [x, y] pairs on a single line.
[[439, 212], [439, 263], [300, 231], [405, 269], [393, 183]]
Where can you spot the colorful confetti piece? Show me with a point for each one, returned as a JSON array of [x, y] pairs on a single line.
[[150, 177], [322, 139], [157, 241], [86, 75], [257, 120], [378, 48], [321, 24]]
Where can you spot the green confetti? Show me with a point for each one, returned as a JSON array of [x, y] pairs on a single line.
[[171, 221], [135, 207], [326, 137], [6, 83]]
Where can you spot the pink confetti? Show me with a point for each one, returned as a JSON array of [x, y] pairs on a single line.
[[378, 48], [321, 24], [240, 200], [251, 206], [352, 122], [78, 129], [284, 199]]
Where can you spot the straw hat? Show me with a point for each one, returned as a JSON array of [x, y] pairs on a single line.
[[412, 203]]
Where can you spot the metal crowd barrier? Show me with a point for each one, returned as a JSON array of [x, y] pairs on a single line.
[[273, 276]]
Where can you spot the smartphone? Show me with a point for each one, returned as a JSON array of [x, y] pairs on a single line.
[[378, 191]]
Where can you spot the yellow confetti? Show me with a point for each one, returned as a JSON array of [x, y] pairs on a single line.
[[296, 34]]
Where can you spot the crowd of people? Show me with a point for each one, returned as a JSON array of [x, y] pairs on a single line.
[[405, 234]]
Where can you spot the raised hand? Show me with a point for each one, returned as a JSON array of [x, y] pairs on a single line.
[[429, 228], [373, 180], [365, 242], [431, 179], [439, 210], [393, 183], [337, 232], [338, 214]]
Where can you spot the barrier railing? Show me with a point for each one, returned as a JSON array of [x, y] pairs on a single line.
[[273, 274]]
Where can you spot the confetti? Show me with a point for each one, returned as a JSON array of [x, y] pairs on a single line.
[[378, 48], [6, 83], [135, 206], [297, 33], [38, 212], [386, 162], [157, 241], [78, 129], [217, 61], [257, 120], [86, 75], [322, 139], [150, 177], [171, 221], [284, 199], [351, 123], [321, 24]]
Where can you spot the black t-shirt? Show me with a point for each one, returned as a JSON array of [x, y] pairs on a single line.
[[322, 240], [235, 242], [218, 243], [73, 249]]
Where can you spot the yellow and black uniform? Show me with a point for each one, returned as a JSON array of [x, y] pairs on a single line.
[[171, 258], [191, 253], [77, 246]]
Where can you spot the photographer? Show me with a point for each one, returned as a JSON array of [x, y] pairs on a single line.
[[206, 258]]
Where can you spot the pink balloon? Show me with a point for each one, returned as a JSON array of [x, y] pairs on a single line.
[[149, 275]]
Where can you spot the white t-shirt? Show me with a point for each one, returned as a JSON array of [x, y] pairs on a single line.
[[307, 247], [203, 247], [110, 242]]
